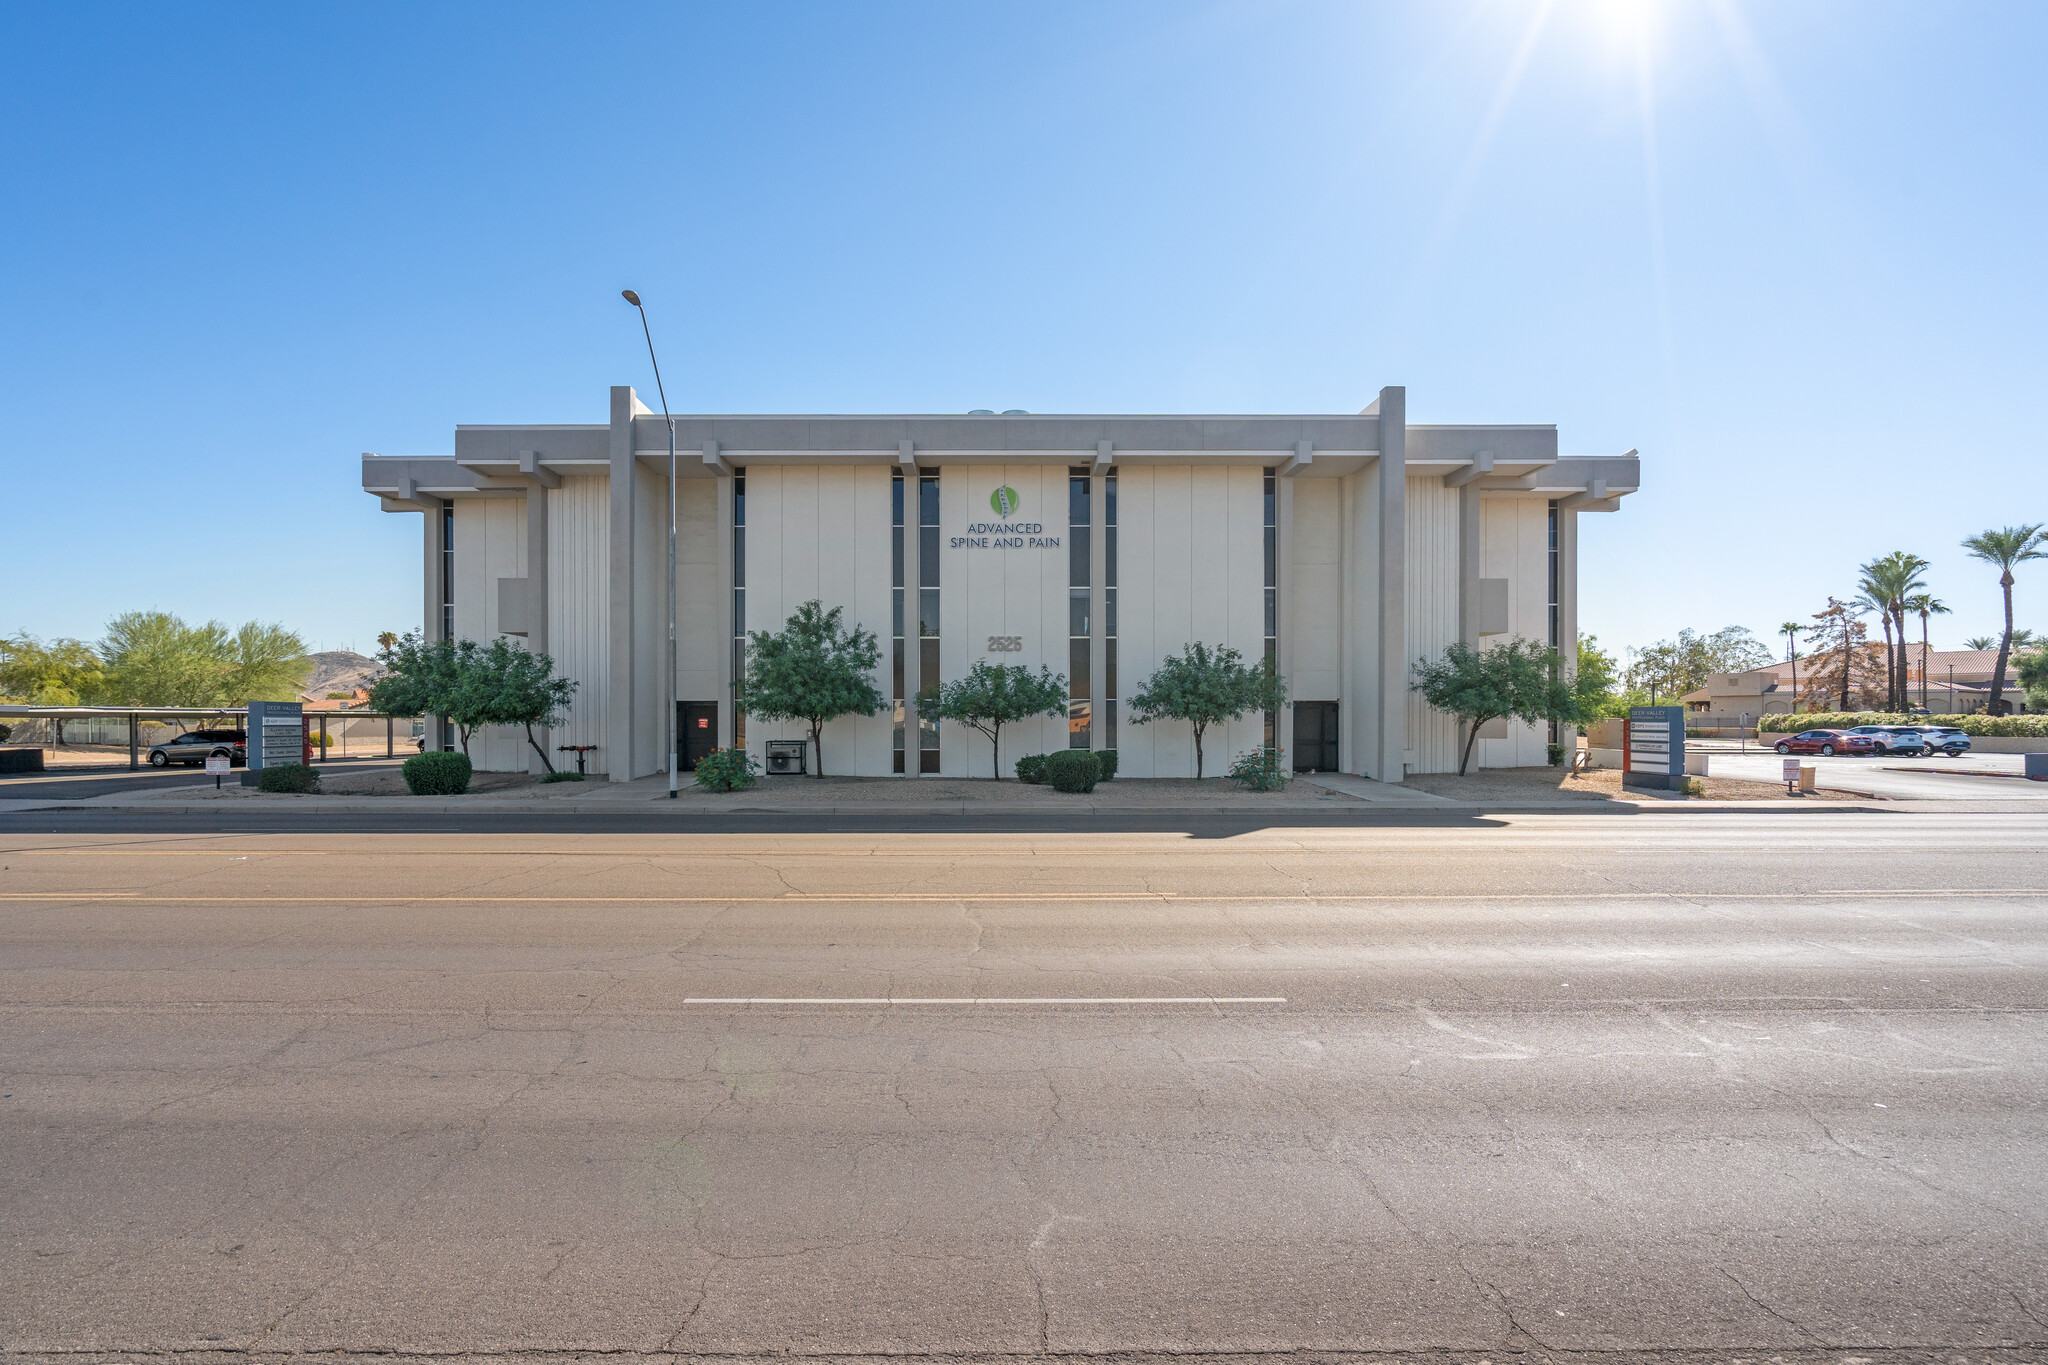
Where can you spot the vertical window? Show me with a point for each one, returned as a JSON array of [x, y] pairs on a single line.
[[896, 548], [1109, 609], [1078, 673], [447, 598], [1272, 505], [739, 601], [927, 613]]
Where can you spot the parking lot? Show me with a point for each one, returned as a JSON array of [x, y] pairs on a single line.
[[1971, 777]]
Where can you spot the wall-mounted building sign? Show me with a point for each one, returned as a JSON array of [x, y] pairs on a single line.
[[1004, 535]]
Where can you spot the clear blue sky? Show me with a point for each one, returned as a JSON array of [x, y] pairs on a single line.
[[1791, 251]]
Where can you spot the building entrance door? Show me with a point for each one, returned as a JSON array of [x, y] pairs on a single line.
[[696, 732], [1315, 736]]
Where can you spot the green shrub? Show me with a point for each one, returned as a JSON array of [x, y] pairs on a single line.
[[1072, 770], [727, 770], [563, 777], [436, 773], [1692, 786], [1555, 753], [288, 777], [1691, 732], [1031, 768], [1261, 770], [1107, 758], [2003, 727]]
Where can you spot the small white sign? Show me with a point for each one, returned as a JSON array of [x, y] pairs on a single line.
[[1791, 772], [217, 765]]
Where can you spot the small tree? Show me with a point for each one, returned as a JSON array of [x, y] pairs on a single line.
[[420, 678], [1517, 680], [813, 670], [1202, 686], [994, 695], [521, 689]]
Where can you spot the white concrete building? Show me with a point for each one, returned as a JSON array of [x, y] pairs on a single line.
[[1347, 547]]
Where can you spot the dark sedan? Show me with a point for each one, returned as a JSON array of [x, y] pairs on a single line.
[[1826, 743]]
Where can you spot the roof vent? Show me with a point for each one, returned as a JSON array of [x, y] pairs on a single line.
[[981, 412], [1016, 412]]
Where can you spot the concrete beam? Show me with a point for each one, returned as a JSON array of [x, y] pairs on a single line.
[[537, 475], [1595, 491], [1304, 455], [1105, 456], [715, 461], [1479, 468]]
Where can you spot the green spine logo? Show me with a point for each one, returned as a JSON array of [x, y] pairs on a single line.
[[1004, 500]]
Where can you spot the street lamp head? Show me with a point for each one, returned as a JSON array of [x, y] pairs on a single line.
[[630, 297]]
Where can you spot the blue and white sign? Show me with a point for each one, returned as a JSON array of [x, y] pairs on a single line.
[[277, 731], [1653, 749]]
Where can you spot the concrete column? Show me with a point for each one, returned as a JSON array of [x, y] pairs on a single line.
[[617, 754], [430, 607], [1393, 587], [913, 630], [537, 593], [1098, 608], [1283, 514], [1568, 591], [728, 713]]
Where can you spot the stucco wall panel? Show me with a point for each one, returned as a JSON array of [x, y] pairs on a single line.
[[1432, 589], [1515, 545], [579, 612]]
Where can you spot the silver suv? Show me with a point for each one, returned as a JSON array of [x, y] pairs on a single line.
[[201, 745], [1946, 738], [1893, 739]]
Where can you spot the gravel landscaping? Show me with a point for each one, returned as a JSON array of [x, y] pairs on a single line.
[[1601, 784]]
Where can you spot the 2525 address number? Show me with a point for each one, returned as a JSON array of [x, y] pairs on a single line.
[[1006, 644]]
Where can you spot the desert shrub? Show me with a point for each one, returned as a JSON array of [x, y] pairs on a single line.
[[1031, 768], [288, 777], [727, 770], [1261, 770], [563, 777], [1072, 770], [1692, 786], [436, 773], [1555, 753], [6, 733], [1107, 758]]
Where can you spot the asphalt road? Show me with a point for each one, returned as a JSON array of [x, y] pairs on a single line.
[[1746, 1082]]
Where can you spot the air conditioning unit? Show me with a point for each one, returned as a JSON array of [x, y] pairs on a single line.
[[788, 756]]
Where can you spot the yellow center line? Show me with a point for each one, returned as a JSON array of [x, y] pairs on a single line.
[[1037, 897]]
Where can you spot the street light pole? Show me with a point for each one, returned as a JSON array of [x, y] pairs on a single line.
[[668, 709]]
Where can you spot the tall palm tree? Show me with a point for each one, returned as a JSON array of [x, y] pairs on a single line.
[[1924, 605], [1790, 630], [1886, 583], [2005, 548]]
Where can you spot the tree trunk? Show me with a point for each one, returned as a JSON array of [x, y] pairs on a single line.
[[818, 745], [995, 742], [1905, 672], [1923, 661], [537, 749], [2004, 644], [1198, 739], [1471, 739], [1891, 674]]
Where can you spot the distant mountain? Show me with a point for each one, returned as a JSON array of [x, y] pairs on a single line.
[[340, 670]]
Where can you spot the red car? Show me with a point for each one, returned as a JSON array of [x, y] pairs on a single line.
[[1826, 743]]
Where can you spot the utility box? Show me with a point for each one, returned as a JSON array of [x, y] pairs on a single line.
[[2036, 767], [788, 757]]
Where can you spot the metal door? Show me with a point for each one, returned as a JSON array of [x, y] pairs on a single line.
[[1315, 736], [696, 731]]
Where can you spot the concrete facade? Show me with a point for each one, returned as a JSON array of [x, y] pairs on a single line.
[[1390, 542]]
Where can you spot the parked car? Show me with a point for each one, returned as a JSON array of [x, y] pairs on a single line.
[[1826, 743], [1946, 738], [200, 745], [1894, 739]]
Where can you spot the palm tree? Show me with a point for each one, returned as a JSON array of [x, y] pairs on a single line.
[[1885, 585], [2005, 548], [1924, 605], [2021, 639], [1790, 630]]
